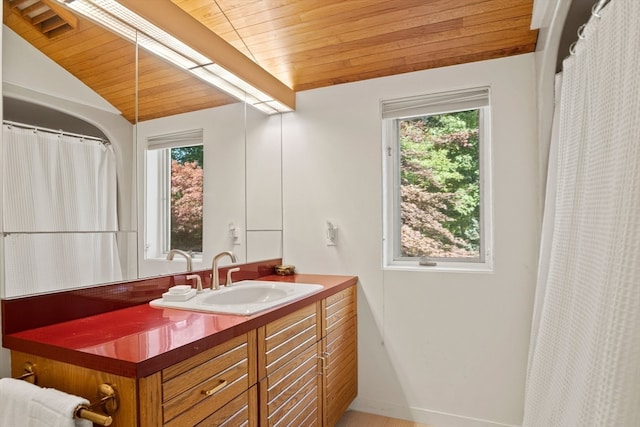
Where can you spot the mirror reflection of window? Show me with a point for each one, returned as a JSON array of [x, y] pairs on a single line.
[[174, 193], [186, 199]]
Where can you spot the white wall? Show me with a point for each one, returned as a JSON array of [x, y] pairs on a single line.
[[264, 185], [447, 349]]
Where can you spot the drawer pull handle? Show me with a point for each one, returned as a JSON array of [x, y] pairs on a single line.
[[323, 363], [217, 388], [325, 360]]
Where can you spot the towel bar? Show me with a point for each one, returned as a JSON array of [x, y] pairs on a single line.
[[107, 393], [87, 414]]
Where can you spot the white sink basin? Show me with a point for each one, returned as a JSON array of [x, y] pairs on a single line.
[[245, 298]]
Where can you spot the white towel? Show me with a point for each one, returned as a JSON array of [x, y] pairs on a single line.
[[25, 404], [54, 408], [15, 397]]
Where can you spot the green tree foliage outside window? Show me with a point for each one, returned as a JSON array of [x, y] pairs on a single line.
[[440, 185], [187, 198]]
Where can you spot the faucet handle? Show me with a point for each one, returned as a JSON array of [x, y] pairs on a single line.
[[229, 282], [198, 281]]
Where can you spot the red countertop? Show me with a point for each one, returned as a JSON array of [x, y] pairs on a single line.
[[140, 340]]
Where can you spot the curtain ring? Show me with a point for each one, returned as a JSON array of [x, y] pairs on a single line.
[[572, 48], [581, 31]]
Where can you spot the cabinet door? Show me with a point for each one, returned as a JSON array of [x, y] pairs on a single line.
[[290, 392], [291, 395], [340, 369], [339, 355], [281, 340]]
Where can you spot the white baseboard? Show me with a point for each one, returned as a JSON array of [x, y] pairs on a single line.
[[420, 415]]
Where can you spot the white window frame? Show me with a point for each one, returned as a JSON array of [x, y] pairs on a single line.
[[392, 111], [158, 189]]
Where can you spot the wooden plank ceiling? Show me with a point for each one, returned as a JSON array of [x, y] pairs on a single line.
[[304, 43]]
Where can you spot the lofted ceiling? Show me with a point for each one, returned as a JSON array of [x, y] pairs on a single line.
[[305, 44]]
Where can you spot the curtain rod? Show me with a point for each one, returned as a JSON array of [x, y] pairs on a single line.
[[595, 13], [595, 10], [56, 132], [22, 233]]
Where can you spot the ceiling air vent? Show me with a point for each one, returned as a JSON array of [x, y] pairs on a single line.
[[47, 16]]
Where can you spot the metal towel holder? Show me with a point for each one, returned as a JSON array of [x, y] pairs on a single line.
[[108, 399]]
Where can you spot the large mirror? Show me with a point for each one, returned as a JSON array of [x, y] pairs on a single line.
[[241, 189]]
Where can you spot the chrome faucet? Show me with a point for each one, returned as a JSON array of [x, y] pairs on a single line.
[[215, 280], [172, 252]]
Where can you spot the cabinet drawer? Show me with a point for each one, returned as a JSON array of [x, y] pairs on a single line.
[[291, 395], [283, 339], [339, 308], [199, 386], [240, 412]]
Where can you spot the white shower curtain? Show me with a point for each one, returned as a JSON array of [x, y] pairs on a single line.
[[584, 362], [60, 213]]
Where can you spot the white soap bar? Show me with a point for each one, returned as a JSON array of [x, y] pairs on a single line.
[[179, 289]]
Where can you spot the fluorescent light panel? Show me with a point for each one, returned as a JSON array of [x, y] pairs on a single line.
[[120, 20]]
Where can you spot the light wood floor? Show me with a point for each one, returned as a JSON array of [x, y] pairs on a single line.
[[359, 419]]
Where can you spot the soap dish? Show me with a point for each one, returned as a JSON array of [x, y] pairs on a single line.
[[184, 296], [179, 289]]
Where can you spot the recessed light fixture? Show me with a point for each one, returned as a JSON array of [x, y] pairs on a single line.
[[117, 18]]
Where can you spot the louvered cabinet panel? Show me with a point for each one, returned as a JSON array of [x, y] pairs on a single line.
[[281, 340], [291, 395], [339, 354], [339, 308], [340, 370]]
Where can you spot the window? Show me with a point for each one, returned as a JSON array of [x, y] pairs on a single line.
[[436, 158], [174, 193]]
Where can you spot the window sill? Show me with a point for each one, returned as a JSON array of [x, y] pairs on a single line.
[[442, 267], [196, 261]]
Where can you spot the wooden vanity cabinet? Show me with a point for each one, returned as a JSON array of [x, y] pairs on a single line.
[[339, 354], [298, 370]]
